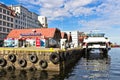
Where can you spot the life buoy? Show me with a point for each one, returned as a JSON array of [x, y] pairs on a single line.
[[55, 58], [33, 58], [43, 64], [11, 68], [12, 57], [3, 62], [22, 62]]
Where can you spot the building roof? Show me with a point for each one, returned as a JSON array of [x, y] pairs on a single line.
[[64, 35], [69, 38], [2, 5], [46, 32], [12, 12]]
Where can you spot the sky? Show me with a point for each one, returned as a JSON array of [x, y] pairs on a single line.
[[78, 15]]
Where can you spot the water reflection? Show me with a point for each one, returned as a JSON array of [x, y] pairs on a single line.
[[35, 75], [94, 66], [95, 54], [26, 75]]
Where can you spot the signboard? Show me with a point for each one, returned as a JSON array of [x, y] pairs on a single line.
[[42, 42], [31, 34], [37, 42]]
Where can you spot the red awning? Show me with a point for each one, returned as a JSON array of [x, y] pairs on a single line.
[[22, 38]]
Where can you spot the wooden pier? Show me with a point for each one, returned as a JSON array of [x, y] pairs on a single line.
[[50, 59]]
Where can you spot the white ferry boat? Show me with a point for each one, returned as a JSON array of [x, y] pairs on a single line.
[[96, 41]]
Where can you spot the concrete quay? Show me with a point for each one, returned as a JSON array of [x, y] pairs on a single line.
[[49, 59]]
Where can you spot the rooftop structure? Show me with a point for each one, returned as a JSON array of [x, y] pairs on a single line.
[[25, 18], [43, 21]]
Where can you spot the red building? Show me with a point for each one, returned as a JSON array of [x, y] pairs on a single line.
[[50, 37]]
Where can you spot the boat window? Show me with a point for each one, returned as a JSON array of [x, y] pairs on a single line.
[[96, 35]]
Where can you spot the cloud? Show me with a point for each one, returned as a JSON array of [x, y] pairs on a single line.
[[67, 8], [64, 8], [92, 14], [109, 16], [57, 9]]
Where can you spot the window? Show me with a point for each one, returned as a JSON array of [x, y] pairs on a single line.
[[11, 19], [4, 17], [0, 22], [8, 18], [4, 23], [4, 11], [11, 25], [8, 12], [0, 28], [0, 9], [4, 29], [8, 24], [15, 26], [0, 16], [16, 21], [8, 30]]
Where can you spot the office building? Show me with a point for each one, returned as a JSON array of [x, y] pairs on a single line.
[[25, 18], [6, 21]]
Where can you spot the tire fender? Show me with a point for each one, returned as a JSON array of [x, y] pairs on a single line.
[[33, 58], [22, 62], [3, 62], [55, 58], [43, 64], [12, 57]]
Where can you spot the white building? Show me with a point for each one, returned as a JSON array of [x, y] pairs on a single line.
[[24, 18], [43, 21], [75, 37], [6, 21]]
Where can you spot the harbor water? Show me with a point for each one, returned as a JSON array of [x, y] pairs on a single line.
[[94, 67]]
